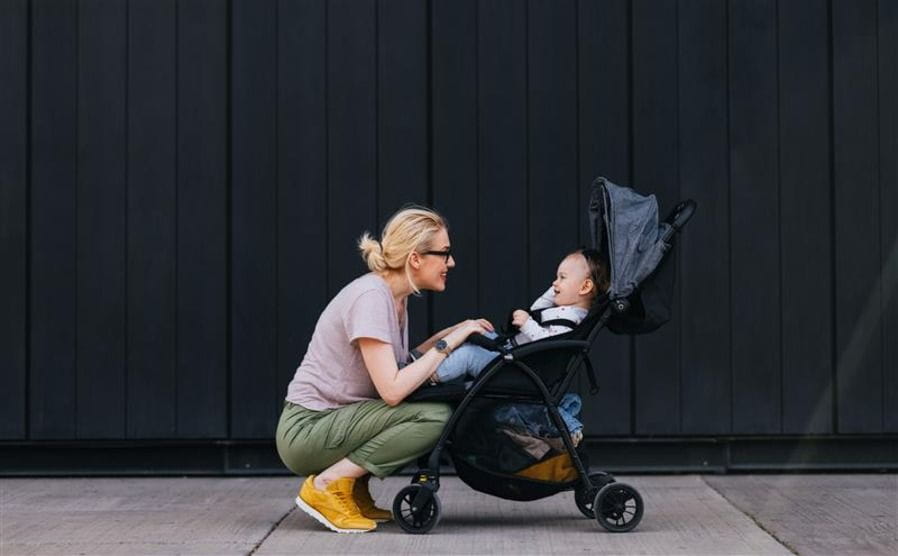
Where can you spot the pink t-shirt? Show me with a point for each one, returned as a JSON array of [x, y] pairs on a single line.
[[332, 373]]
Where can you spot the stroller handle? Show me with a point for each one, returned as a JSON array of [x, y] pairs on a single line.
[[681, 214]]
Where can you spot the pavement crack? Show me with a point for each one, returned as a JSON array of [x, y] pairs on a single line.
[[749, 516], [271, 530]]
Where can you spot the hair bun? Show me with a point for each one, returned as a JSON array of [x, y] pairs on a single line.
[[372, 252]]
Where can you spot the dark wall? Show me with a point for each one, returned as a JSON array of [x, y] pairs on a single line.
[[183, 183]]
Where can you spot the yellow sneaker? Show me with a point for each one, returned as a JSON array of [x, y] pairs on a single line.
[[334, 507], [363, 500]]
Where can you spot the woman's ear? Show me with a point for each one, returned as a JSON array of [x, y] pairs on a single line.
[[414, 259]]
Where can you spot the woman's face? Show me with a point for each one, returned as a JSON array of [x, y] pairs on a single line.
[[431, 271]]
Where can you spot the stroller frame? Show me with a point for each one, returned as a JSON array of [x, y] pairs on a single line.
[[417, 508], [513, 357]]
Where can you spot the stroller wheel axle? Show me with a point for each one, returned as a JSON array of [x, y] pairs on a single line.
[[584, 498], [426, 478]]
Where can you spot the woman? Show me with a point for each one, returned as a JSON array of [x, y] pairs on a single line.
[[344, 418]]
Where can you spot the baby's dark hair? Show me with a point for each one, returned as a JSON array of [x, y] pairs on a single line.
[[598, 269]]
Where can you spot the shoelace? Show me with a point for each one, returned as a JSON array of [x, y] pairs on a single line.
[[347, 504]]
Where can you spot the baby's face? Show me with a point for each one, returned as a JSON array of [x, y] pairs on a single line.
[[572, 273]]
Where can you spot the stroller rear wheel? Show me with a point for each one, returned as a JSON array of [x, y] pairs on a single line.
[[584, 498], [417, 509], [618, 507]]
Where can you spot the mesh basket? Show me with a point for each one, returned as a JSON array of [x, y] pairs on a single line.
[[488, 460]]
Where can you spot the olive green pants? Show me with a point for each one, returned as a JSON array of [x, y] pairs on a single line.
[[370, 433]]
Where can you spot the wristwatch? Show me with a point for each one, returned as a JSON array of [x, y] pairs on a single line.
[[442, 346]]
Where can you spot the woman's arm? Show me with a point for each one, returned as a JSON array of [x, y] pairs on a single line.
[[394, 385], [429, 342]]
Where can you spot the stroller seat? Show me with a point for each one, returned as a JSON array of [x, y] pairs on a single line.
[[551, 358]]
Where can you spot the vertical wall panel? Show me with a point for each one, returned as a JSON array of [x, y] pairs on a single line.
[[754, 224], [806, 203], [888, 187], [857, 220], [503, 139], [552, 149], [54, 175], [604, 95], [302, 180], [254, 209], [704, 247], [603, 32], [102, 174], [655, 171], [402, 122], [14, 37], [202, 271], [151, 217], [352, 135], [454, 151]]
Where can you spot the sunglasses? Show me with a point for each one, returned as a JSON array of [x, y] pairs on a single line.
[[445, 254]]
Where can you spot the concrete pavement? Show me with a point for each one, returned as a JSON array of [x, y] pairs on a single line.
[[685, 514]]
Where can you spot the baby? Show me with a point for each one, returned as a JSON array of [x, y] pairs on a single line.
[[581, 277]]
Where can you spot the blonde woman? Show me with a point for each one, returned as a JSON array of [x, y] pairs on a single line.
[[344, 418]]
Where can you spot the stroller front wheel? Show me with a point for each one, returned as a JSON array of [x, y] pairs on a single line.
[[618, 507], [417, 509]]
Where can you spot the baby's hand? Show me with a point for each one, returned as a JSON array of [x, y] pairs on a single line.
[[519, 317]]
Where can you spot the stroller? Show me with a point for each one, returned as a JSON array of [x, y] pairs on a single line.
[[625, 229]]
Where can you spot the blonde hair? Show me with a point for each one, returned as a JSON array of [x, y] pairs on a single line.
[[410, 229]]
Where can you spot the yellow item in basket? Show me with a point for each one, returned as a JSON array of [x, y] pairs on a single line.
[[556, 469]]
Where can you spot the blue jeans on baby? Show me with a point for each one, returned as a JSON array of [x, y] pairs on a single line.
[[534, 418], [466, 361]]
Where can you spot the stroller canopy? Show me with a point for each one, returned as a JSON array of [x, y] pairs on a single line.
[[625, 228], [624, 225]]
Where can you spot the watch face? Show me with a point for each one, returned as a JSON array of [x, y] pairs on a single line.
[[441, 345]]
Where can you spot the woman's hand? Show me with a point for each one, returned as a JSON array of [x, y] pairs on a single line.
[[519, 317], [462, 330]]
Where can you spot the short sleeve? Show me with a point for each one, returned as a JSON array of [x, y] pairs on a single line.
[[368, 317]]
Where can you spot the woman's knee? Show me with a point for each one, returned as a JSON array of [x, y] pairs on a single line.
[[434, 422], [423, 421], [433, 412]]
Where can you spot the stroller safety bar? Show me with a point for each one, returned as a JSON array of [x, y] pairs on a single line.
[[545, 345]]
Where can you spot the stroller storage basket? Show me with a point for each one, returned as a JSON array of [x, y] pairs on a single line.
[[509, 487], [491, 461]]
